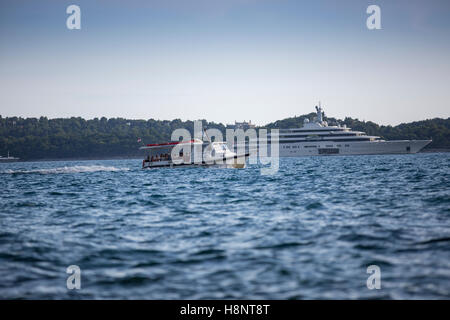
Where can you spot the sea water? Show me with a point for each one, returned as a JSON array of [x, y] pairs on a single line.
[[310, 231]]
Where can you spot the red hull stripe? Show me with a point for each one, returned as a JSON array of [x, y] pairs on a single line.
[[169, 143]]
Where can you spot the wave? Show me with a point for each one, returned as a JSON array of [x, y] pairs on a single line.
[[72, 169], [446, 239]]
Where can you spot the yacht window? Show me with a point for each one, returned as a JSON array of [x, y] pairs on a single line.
[[329, 151]]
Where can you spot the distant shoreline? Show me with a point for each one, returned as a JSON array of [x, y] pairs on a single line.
[[444, 150], [43, 139]]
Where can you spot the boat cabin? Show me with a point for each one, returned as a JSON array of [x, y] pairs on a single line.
[[161, 155]]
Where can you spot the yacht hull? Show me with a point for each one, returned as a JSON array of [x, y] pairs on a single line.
[[351, 148], [236, 162], [193, 165]]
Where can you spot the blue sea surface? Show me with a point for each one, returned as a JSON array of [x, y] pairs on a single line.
[[308, 232]]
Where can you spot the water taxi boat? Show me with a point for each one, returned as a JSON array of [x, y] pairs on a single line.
[[211, 154]]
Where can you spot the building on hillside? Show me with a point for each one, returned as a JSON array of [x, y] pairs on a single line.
[[241, 125]]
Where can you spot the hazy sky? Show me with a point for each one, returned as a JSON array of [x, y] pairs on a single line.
[[225, 60]]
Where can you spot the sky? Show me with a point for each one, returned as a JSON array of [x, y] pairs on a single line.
[[258, 60]]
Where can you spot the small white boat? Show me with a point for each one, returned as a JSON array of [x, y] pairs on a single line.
[[214, 154], [8, 158]]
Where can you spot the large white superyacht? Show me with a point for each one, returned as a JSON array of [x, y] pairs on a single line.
[[316, 137]]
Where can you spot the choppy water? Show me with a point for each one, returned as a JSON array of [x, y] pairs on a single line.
[[308, 232]]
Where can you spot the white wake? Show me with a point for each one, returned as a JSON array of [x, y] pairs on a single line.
[[72, 169]]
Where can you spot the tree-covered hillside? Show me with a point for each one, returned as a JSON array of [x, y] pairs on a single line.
[[43, 138]]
